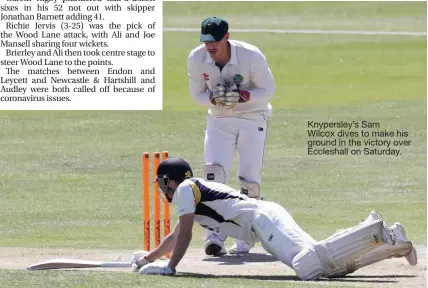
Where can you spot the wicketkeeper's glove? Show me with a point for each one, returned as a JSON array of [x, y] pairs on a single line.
[[217, 95], [234, 95]]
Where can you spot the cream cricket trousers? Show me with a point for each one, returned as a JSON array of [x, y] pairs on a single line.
[[278, 233], [226, 135]]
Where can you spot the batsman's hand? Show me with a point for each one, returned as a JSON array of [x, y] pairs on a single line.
[[157, 268], [217, 95], [139, 260]]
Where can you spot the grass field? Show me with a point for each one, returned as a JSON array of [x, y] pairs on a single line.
[[73, 179]]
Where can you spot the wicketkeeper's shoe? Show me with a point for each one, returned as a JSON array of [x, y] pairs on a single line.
[[240, 247], [214, 249], [400, 233], [214, 244]]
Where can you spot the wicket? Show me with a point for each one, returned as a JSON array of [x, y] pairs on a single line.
[[156, 202]]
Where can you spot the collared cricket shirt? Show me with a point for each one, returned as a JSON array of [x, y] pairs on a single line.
[[217, 207], [248, 68]]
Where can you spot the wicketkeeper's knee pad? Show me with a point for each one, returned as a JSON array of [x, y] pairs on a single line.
[[249, 188], [337, 254], [215, 173]]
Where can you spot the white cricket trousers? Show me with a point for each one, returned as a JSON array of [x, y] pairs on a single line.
[[278, 233], [226, 135]]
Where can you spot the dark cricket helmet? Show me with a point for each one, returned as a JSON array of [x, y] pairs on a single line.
[[172, 168]]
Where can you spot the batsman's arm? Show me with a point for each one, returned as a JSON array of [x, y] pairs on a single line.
[[183, 239], [167, 245], [198, 87], [262, 77]]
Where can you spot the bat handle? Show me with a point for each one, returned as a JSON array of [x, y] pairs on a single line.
[[116, 264]]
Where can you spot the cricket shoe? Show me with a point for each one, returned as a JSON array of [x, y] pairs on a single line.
[[400, 233], [388, 233], [373, 216], [214, 247], [240, 247]]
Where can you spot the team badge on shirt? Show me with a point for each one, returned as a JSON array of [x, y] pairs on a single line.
[[206, 76], [238, 78]]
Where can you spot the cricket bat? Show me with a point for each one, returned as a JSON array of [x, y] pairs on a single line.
[[77, 263]]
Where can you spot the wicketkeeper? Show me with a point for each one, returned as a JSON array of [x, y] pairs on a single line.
[[233, 80], [218, 207]]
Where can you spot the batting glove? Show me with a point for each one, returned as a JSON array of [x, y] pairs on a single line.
[[217, 95], [157, 268], [139, 260]]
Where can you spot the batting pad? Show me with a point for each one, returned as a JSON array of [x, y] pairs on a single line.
[[351, 244], [383, 252], [335, 255]]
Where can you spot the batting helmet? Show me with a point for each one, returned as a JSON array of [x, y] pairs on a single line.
[[172, 168]]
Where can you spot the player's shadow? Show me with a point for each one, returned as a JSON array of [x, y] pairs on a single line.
[[375, 276], [346, 279], [368, 278], [241, 259], [251, 277]]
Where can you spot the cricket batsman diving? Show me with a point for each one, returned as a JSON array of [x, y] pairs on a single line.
[[218, 207], [232, 78]]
